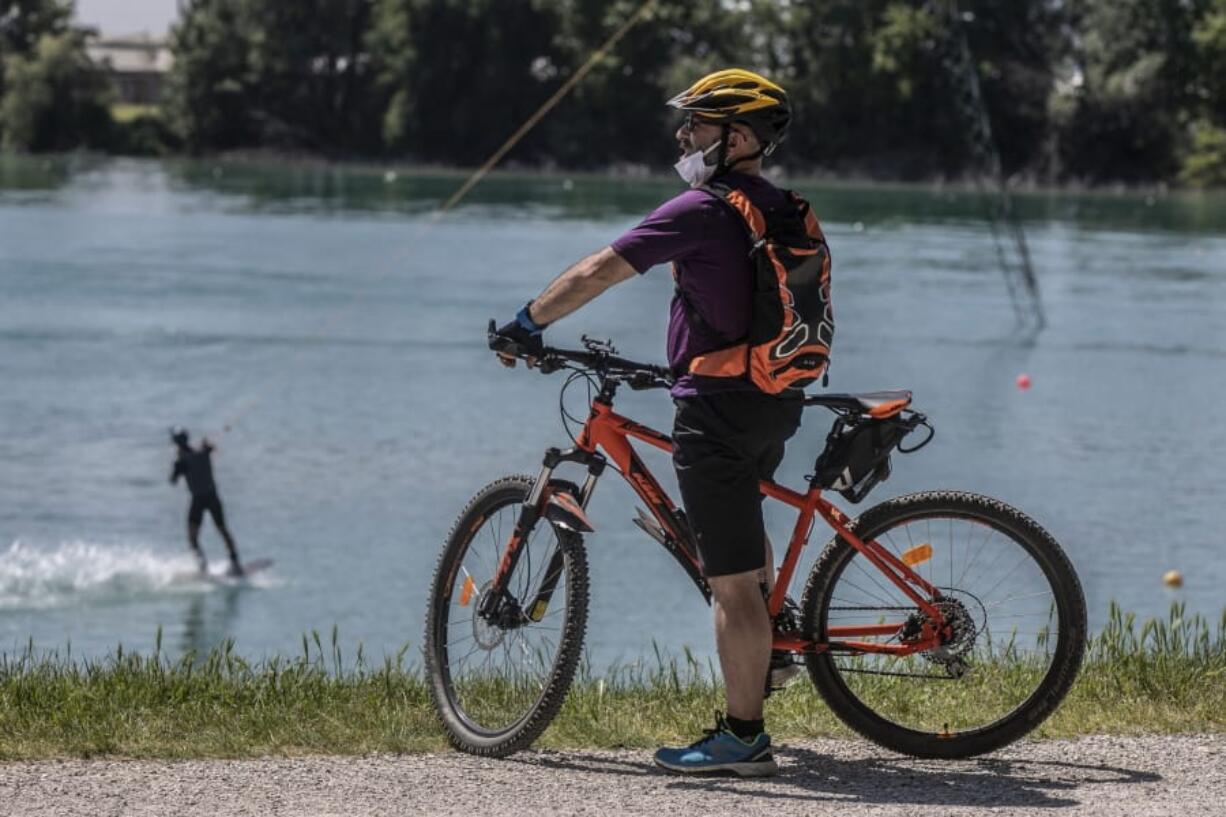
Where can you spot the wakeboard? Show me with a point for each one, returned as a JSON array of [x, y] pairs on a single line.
[[250, 568]]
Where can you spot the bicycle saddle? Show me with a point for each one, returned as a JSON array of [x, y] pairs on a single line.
[[878, 404]]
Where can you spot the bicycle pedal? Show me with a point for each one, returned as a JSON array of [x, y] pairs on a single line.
[[782, 676], [650, 526], [783, 670]]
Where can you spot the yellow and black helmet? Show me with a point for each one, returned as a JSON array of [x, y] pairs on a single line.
[[737, 95]]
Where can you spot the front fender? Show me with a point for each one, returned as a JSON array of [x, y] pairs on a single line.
[[563, 510]]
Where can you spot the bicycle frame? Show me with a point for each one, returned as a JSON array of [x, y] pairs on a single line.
[[608, 431]]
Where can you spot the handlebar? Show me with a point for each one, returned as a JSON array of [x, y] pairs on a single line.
[[598, 357]]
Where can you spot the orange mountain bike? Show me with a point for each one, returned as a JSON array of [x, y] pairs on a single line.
[[938, 624]]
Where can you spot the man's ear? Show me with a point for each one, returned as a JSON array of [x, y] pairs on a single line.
[[741, 141]]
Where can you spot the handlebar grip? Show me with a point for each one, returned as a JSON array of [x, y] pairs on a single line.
[[509, 345]]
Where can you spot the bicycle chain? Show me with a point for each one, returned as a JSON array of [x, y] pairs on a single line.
[[912, 608], [897, 674]]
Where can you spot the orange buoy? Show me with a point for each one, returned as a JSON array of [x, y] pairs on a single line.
[[1173, 578]]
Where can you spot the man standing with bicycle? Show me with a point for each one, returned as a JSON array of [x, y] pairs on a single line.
[[729, 433]]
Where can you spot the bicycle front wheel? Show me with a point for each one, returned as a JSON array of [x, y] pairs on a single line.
[[1016, 616], [498, 680]]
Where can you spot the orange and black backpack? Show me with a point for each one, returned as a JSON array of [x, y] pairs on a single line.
[[791, 327]]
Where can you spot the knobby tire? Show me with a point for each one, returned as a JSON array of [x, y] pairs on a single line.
[[461, 731], [1024, 531]]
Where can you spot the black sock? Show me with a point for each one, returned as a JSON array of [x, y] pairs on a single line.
[[745, 730]]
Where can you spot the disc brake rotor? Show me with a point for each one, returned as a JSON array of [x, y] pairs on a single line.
[[962, 631], [488, 635]]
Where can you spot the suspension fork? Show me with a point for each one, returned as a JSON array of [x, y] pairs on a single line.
[[534, 508]]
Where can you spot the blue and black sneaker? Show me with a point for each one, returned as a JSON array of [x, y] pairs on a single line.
[[721, 752]]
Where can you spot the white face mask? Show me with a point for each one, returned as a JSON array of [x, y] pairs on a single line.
[[693, 167]]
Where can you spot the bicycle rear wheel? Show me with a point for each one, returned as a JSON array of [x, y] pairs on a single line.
[[1017, 617], [498, 681]]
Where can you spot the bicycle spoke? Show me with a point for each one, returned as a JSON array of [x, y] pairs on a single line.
[[1025, 596], [501, 672], [997, 647], [861, 566], [854, 586]]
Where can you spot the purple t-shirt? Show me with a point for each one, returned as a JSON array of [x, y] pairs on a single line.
[[710, 246]]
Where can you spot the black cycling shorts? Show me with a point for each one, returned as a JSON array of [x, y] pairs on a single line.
[[724, 444], [206, 502]]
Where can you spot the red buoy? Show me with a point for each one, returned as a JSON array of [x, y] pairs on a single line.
[[1023, 381]]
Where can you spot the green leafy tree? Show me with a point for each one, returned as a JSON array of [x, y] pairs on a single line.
[[56, 98], [876, 90], [1100, 90], [1204, 165], [393, 60], [473, 76], [1016, 46], [288, 74], [864, 75], [22, 22], [1123, 113], [209, 93], [618, 114], [312, 73], [1209, 37]]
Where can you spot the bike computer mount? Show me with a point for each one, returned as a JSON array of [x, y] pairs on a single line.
[[598, 347]]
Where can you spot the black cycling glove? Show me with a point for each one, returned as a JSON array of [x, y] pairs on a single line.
[[520, 337]]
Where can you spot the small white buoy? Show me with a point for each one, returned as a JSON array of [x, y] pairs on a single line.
[[567, 184], [389, 176], [858, 227]]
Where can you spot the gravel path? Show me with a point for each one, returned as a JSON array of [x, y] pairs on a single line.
[[1180, 776]]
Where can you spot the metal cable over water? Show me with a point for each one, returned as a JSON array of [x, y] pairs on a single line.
[[250, 403], [1020, 277]]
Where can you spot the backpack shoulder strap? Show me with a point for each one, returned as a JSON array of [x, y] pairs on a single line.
[[749, 214], [727, 194]]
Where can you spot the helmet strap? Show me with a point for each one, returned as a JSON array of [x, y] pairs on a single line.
[[721, 156]]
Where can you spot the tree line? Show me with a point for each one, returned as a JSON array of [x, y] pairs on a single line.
[[1091, 91]]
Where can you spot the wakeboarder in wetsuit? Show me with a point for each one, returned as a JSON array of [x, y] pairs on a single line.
[[196, 467]]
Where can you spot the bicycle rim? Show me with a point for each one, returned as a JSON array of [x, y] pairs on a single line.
[[496, 675], [1015, 609]]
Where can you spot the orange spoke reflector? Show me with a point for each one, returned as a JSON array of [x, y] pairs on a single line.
[[466, 594], [917, 555]]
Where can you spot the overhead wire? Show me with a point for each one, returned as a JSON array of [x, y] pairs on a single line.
[[1021, 279], [250, 403], [546, 107]]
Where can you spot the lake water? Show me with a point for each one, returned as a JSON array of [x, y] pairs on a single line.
[[338, 329]]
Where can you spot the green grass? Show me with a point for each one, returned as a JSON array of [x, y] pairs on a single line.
[[1162, 676]]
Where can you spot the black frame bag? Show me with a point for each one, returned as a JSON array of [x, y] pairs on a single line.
[[857, 452]]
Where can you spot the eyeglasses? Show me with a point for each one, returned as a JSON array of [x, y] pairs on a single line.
[[691, 119]]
